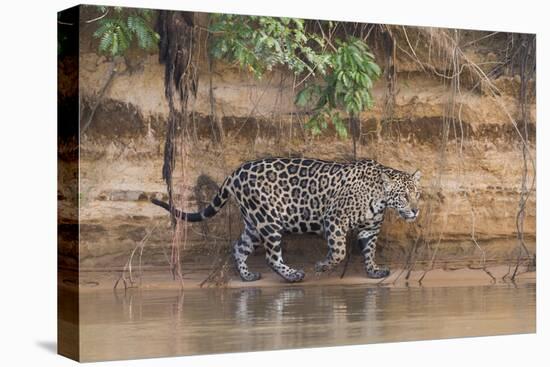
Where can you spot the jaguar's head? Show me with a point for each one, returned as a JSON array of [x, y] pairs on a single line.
[[402, 193]]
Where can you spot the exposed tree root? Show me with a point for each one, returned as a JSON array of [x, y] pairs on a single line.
[[126, 275], [111, 72]]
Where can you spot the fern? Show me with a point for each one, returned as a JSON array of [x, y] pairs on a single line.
[[147, 38], [117, 33]]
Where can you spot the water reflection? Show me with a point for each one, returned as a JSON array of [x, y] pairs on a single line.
[[166, 322]]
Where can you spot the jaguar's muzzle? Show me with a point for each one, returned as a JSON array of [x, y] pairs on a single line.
[[409, 215]]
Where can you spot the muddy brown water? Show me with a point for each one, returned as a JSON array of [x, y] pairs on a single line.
[[152, 323]]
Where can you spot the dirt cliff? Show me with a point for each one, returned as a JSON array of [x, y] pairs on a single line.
[[471, 185]]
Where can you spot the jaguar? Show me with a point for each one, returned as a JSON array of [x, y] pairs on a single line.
[[302, 195]]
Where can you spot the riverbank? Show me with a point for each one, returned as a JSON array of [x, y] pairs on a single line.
[[162, 279]]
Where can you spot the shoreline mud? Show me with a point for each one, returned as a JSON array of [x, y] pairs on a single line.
[[91, 281]]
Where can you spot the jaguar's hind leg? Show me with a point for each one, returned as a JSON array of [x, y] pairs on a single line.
[[242, 248], [274, 255]]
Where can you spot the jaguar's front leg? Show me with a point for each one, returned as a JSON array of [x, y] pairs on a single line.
[[367, 243], [336, 238]]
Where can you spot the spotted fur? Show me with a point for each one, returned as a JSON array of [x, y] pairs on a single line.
[[285, 195]]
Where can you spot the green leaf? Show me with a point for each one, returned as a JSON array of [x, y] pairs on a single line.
[[105, 42], [303, 97], [375, 69], [345, 80], [339, 125]]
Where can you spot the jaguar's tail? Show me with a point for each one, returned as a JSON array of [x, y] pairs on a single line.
[[215, 205]]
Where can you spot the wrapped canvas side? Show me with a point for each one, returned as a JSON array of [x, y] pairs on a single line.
[[68, 340]]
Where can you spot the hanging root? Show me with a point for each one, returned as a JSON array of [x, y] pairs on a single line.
[[177, 52], [220, 271], [527, 68], [521, 58], [111, 72], [126, 275], [482, 261]]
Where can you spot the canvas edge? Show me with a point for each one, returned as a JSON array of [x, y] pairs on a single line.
[[68, 164]]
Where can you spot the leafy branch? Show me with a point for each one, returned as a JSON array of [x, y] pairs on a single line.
[[260, 43], [117, 32], [348, 70], [347, 87]]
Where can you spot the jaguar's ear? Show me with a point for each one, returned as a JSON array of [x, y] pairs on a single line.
[[386, 181], [416, 176]]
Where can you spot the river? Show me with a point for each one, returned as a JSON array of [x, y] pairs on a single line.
[[152, 323]]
